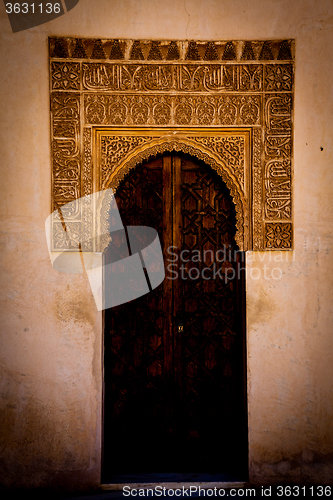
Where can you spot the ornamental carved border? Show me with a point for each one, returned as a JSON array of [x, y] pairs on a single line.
[[116, 103]]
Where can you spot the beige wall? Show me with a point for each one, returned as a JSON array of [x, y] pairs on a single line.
[[51, 334]]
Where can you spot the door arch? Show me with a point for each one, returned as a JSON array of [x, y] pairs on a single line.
[[174, 365]]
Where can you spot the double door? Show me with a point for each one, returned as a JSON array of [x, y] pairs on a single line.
[[174, 384]]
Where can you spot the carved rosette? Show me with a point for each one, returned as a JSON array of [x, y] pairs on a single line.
[[65, 76], [278, 236], [231, 86]]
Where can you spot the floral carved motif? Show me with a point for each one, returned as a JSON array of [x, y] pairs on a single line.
[[168, 110], [278, 236], [113, 150], [278, 77], [66, 239], [230, 150], [65, 76]]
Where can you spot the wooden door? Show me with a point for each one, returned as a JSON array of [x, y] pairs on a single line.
[[174, 395]]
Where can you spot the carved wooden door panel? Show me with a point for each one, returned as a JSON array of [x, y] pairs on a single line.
[[174, 358]]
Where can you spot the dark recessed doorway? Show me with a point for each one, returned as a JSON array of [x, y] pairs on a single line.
[[174, 359]]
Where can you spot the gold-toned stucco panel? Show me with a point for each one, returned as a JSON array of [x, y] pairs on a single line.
[[227, 152], [161, 84]]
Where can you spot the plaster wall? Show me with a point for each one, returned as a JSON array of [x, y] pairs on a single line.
[[51, 332]]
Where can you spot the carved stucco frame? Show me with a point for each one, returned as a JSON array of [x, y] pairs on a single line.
[[84, 94]]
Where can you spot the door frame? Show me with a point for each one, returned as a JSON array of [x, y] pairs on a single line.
[[114, 182]]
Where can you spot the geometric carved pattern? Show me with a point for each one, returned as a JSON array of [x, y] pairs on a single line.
[[211, 342], [234, 85], [79, 48]]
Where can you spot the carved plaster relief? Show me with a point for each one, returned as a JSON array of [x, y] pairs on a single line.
[[227, 152], [229, 103]]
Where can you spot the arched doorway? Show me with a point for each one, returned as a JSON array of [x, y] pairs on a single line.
[[174, 366]]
